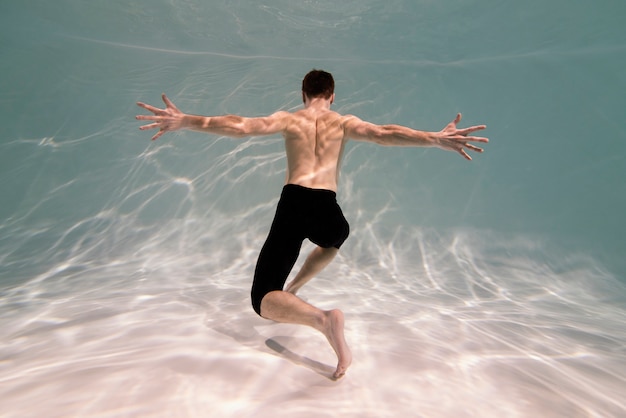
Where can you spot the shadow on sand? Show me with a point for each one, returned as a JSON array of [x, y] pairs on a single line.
[[277, 345]]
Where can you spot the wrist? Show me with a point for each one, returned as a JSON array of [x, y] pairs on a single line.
[[435, 138], [191, 122]]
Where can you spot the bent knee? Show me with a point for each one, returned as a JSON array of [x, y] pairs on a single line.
[[257, 294]]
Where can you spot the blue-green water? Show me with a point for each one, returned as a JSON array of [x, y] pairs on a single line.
[[490, 288]]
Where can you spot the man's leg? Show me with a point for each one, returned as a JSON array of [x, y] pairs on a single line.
[[315, 262], [285, 307]]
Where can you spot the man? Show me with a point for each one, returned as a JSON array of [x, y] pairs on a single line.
[[314, 141]]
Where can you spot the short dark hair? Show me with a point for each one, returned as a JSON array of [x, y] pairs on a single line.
[[318, 83]]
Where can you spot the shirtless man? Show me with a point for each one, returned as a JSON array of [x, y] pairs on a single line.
[[314, 141]]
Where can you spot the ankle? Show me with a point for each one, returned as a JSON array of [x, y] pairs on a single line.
[[322, 321]]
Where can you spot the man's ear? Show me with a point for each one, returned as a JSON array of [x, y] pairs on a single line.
[[303, 98], [332, 98]]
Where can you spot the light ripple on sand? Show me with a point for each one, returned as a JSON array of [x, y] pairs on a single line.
[[495, 328]]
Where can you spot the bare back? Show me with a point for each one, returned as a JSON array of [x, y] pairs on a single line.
[[314, 143]]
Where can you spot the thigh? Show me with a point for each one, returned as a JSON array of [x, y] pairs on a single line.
[[275, 262], [277, 257]]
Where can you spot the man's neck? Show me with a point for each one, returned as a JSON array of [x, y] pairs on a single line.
[[318, 103]]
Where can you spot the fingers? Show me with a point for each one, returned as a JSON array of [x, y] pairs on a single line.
[[152, 109], [151, 126], [158, 134], [452, 125], [473, 148], [461, 135], [157, 118], [148, 117], [471, 129], [157, 122], [465, 154], [476, 139], [168, 102]]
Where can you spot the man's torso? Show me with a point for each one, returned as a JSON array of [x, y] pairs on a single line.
[[314, 143]]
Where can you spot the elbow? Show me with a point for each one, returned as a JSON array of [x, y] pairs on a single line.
[[238, 130], [229, 125], [240, 133]]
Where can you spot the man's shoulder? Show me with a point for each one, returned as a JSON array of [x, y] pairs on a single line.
[[350, 120], [281, 114]]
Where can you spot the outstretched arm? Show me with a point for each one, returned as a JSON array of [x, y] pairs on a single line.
[[449, 138], [172, 119]]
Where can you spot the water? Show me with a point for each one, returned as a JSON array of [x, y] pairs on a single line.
[[490, 288]]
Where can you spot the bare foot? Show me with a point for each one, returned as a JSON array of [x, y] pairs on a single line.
[[334, 333]]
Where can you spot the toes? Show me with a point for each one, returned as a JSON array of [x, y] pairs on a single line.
[[339, 374]]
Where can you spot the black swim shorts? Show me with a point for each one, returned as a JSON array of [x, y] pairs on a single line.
[[301, 213]]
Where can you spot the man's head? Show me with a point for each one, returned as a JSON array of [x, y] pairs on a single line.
[[318, 83]]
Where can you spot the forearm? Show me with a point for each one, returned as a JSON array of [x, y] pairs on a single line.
[[229, 125], [402, 136]]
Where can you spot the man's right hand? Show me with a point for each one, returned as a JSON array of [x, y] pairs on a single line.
[[452, 139]]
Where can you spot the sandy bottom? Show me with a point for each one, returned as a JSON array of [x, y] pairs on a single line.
[[439, 328]]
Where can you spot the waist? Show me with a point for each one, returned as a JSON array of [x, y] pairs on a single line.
[[319, 181], [296, 189]]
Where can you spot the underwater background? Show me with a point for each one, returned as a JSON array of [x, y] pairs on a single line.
[[495, 287]]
